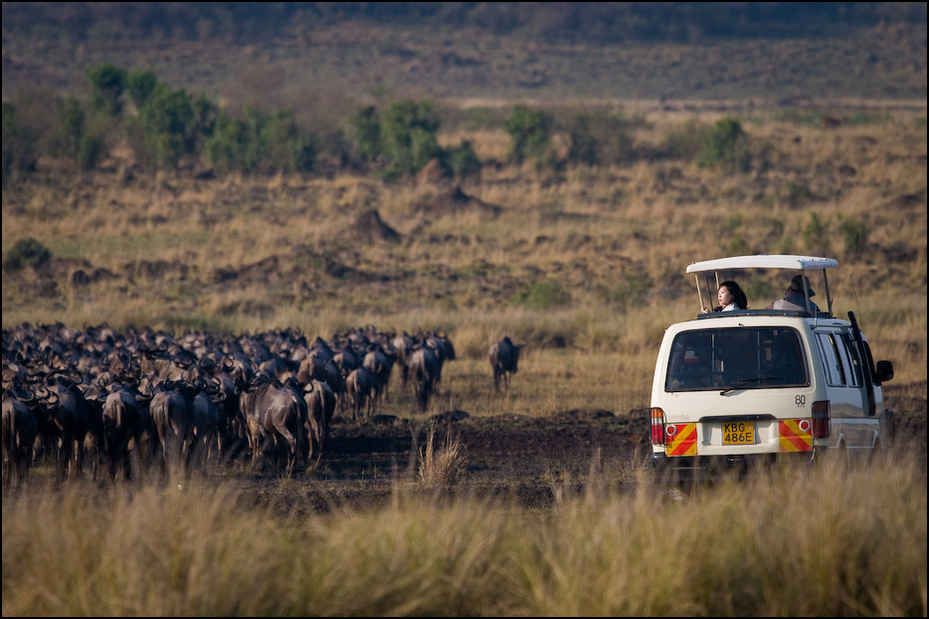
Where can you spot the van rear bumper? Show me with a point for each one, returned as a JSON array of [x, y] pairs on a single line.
[[689, 468]]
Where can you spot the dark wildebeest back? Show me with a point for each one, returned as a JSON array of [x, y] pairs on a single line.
[[320, 405], [504, 359], [424, 372], [276, 416]]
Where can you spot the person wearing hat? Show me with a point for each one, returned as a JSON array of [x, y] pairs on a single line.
[[793, 298]]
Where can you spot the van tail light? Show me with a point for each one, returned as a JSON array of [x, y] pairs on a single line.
[[821, 419], [657, 430]]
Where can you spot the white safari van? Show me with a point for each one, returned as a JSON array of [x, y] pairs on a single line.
[[765, 385]]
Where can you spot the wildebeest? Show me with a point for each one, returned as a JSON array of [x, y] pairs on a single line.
[[444, 351], [125, 422], [361, 387], [276, 416], [172, 413], [504, 359], [379, 359], [68, 423], [19, 433], [424, 371], [320, 406], [403, 344]]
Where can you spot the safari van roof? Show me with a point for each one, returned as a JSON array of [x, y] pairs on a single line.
[[764, 261]]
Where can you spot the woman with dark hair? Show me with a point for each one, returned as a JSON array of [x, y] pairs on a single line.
[[730, 297]]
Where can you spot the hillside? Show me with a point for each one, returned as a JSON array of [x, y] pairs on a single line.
[[309, 55]]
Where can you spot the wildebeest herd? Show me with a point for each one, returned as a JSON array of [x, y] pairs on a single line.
[[124, 404]]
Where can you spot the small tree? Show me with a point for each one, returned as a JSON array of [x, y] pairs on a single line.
[[531, 132], [140, 85], [107, 82], [20, 144], [855, 233], [365, 132], [231, 147], [71, 122], [816, 236], [463, 161], [725, 145], [408, 140], [26, 252], [285, 148]]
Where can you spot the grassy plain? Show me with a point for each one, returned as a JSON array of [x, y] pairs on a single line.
[[587, 265], [583, 261]]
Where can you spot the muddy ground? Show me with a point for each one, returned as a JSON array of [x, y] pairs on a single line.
[[528, 460]]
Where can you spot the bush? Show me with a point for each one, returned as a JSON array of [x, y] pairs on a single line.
[[26, 252], [725, 146], [685, 142], [542, 295], [855, 233], [632, 291], [107, 82], [140, 85], [20, 144], [463, 161], [89, 152], [531, 131], [364, 128], [268, 143], [816, 236], [408, 137], [599, 139]]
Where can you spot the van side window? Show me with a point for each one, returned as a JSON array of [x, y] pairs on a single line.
[[854, 360], [829, 347]]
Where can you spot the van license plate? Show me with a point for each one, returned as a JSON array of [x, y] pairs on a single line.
[[739, 433]]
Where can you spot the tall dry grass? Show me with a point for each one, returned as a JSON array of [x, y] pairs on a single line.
[[826, 542]]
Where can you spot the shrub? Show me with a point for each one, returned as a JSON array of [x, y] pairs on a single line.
[[20, 143], [685, 143], [599, 139], [268, 143], [107, 82], [632, 291], [725, 146], [855, 234], [364, 128], [140, 85], [89, 152], [816, 236], [26, 252], [463, 161], [531, 131], [542, 295]]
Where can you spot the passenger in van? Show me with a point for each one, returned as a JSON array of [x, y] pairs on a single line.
[[793, 297], [730, 297]]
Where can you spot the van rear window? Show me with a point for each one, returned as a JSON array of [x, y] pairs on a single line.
[[736, 358]]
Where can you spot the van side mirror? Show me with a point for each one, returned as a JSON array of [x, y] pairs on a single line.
[[884, 371]]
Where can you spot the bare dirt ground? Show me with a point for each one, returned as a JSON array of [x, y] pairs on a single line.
[[528, 460]]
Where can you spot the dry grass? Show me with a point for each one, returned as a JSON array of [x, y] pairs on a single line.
[[831, 542], [440, 465], [589, 260]]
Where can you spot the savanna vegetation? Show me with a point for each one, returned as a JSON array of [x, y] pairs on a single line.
[[832, 543], [256, 190]]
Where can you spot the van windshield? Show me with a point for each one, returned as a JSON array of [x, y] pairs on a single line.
[[736, 358]]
